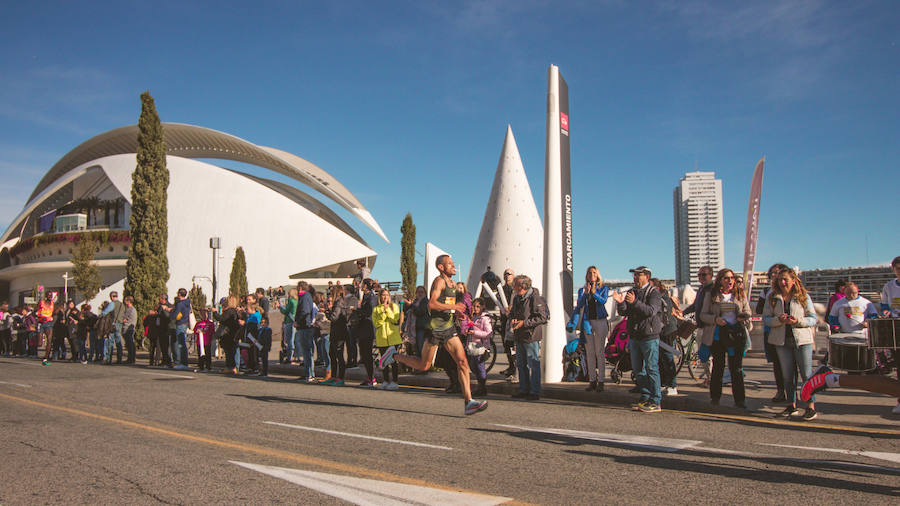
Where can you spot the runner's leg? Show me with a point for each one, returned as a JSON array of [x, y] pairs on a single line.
[[422, 363], [455, 348]]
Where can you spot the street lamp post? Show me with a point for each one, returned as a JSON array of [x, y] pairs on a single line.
[[66, 285], [214, 243]]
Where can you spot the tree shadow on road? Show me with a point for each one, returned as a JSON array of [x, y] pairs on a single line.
[[312, 402], [728, 469]]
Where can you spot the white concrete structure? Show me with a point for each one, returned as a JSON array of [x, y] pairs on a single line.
[[431, 272], [284, 232], [511, 233], [699, 229], [557, 286]]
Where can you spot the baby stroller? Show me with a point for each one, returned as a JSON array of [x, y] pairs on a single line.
[[573, 361], [617, 354]]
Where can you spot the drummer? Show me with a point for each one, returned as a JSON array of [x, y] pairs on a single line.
[[848, 315], [890, 294]]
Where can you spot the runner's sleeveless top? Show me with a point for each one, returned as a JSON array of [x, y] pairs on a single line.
[[443, 320]]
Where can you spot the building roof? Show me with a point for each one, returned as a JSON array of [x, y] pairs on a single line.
[[190, 141]]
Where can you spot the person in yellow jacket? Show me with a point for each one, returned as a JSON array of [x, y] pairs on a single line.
[[387, 317]]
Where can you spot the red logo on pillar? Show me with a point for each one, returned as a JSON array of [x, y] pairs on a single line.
[[564, 121]]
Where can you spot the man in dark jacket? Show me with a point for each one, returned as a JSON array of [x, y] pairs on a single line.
[[181, 316], [705, 277], [303, 322], [529, 311], [642, 306]]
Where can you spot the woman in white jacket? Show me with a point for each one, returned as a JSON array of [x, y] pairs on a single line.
[[790, 315]]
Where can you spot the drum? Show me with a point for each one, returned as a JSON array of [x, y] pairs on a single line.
[[884, 333], [850, 353]]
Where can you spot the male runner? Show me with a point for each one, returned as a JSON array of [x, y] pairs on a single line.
[[442, 331]]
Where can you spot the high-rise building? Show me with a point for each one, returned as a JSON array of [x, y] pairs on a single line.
[[699, 231]]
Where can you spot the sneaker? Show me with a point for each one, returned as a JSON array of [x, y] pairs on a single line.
[[780, 397], [329, 382], [337, 383], [387, 358], [372, 383], [810, 414], [789, 412], [382, 386], [638, 405], [474, 406], [667, 391], [815, 383], [392, 386], [649, 407], [896, 409]]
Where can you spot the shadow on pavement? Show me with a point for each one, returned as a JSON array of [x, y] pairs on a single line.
[[731, 469], [769, 424], [310, 402]]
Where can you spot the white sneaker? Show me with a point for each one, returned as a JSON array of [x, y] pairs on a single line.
[[670, 391], [382, 386], [392, 386], [896, 409]]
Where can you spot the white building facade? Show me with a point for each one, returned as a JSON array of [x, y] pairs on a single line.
[[699, 227], [286, 234]]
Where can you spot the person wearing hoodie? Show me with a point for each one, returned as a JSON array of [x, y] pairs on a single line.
[[479, 334]]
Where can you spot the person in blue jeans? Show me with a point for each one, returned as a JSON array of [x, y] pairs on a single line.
[[642, 306], [529, 311], [305, 333], [181, 315]]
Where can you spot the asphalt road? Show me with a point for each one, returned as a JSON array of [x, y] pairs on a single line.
[[95, 434]]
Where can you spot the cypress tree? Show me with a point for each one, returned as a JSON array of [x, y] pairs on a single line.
[[87, 274], [198, 300], [238, 282], [147, 269], [408, 267]]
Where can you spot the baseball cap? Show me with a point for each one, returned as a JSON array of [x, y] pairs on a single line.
[[640, 269]]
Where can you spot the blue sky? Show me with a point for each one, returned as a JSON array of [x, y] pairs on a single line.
[[407, 103]]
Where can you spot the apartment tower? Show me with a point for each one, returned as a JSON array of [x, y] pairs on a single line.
[[699, 230]]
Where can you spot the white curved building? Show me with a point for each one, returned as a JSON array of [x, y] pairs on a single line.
[[285, 233]]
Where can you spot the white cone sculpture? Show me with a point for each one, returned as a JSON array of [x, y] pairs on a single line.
[[511, 234]]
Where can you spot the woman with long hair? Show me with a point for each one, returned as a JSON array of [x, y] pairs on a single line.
[[771, 354], [230, 320], [791, 318], [590, 315], [254, 315], [387, 317], [340, 317], [727, 314]]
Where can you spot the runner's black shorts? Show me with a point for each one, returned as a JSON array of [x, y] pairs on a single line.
[[439, 337]]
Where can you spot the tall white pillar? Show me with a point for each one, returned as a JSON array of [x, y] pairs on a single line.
[[557, 289]]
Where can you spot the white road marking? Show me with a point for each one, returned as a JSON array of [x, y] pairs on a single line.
[[890, 457], [16, 384], [361, 436], [372, 492], [662, 444], [167, 375]]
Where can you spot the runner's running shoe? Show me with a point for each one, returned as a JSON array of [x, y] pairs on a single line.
[[387, 358], [815, 383], [474, 406]]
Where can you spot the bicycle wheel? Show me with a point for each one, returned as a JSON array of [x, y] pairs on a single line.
[[490, 363], [679, 359], [696, 368]]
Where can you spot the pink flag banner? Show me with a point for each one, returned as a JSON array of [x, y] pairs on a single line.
[[752, 226]]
